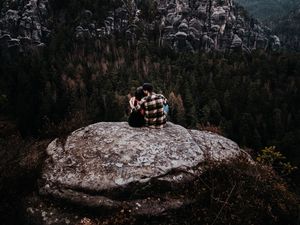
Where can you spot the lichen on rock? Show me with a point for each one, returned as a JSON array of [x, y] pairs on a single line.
[[109, 166]]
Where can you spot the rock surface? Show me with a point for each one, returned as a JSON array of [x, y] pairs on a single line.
[[199, 25], [111, 166], [183, 25], [24, 24]]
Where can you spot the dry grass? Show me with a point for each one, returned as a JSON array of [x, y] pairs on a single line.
[[210, 128]]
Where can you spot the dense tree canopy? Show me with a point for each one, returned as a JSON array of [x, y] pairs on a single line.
[[253, 99]]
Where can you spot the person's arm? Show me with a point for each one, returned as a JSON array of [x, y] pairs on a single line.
[[164, 98], [131, 102], [139, 105]]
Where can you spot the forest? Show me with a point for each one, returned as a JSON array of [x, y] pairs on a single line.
[[251, 98], [276, 8]]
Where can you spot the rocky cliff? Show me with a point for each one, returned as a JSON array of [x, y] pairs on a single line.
[[282, 18], [24, 24], [112, 167], [183, 25], [198, 25]]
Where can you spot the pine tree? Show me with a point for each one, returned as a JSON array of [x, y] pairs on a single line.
[[177, 111]]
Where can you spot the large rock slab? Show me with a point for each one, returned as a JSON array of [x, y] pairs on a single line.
[[112, 167], [107, 156]]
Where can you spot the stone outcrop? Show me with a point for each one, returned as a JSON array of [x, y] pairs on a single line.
[[112, 167], [183, 25], [199, 25], [24, 24]]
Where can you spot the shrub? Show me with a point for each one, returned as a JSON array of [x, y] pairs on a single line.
[[270, 156], [239, 192]]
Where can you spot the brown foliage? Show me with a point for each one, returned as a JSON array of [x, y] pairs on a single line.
[[210, 128], [238, 192]]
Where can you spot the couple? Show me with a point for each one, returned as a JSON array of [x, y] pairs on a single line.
[[147, 108]]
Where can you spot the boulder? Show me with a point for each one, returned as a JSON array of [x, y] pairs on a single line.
[[13, 42], [194, 33], [196, 24], [236, 42], [275, 42], [215, 28], [181, 35], [110, 166], [202, 11], [183, 27], [219, 15]]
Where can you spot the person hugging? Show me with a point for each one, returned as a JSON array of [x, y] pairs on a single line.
[[150, 108]]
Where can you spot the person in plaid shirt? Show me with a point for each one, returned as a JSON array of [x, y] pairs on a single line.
[[153, 106]]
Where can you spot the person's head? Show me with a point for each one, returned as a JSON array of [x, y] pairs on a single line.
[[147, 88], [139, 94]]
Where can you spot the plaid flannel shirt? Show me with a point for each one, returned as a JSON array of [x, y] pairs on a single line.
[[154, 112]]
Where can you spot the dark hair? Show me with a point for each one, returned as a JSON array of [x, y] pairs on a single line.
[[139, 94], [147, 87]]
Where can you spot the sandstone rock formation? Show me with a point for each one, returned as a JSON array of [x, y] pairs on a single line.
[[24, 24], [111, 166], [183, 25], [199, 25]]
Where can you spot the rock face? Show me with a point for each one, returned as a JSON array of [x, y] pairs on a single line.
[[24, 24], [111, 166], [184, 25]]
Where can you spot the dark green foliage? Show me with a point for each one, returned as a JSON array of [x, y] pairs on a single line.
[[148, 8], [288, 29], [275, 8], [273, 157], [70, 11], [254, 100]]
